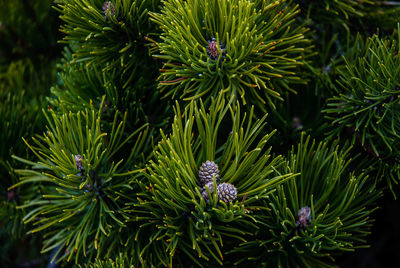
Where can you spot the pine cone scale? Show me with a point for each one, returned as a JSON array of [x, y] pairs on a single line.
[[206, 172]]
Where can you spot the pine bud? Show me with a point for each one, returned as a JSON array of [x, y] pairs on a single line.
[[226, 192], [206, 172], [212, 49], [303, 217], [107, 108], [12, 195], [204, 192], [108, 9], [79, 163]]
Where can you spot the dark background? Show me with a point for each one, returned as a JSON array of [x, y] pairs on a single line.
[[384, 250]]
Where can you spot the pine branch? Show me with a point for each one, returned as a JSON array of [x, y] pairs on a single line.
[[172, 207], [110, 34], [321, 213], [369, 100], [248, 49], [83, 180]]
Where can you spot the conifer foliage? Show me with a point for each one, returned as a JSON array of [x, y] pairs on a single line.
[[323, 211], [110, 33], [196, 133], [367, 100], [182, 224], [247, 48], [83, 181]]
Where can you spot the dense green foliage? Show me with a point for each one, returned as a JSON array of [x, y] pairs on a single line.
[[121, 261], [340, 207], [28, 52], [181, 221], [367, 100], [83, 176], [259, 46], [112, 39], [195, 133]]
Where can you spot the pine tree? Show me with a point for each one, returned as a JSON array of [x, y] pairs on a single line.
[[196, 133]]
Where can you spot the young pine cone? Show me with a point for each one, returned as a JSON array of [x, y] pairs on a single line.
[[303, 217], [212, 49], [206, 172], [204, 192], [108, 9], [226, 192]]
